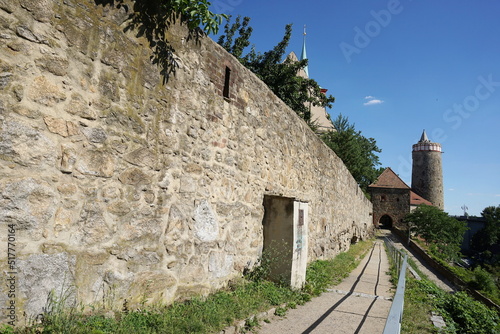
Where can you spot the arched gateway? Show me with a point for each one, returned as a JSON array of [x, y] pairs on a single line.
[[385, 222]]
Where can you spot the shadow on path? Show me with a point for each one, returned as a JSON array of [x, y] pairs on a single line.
[[337, 304]]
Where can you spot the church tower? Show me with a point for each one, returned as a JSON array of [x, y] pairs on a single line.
[[427, 171]]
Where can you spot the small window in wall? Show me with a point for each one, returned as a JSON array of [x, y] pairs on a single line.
[[383, 198], [227, 80]]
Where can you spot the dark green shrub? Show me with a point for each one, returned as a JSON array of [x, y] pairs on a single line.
[[483, 280], [470, 316]]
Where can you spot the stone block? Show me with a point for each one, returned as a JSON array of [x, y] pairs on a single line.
[[5, 78], [56, 125], [119, 208], [134, 176], [220, 264], [55, 65], [67, 189], [108, 86], [80, 107], [25, 145], [95, 135], [41, 275], [27, 202], [96, 163], [188, 185], [26, 33], [206, 225], [68, 159], [92, 226], [63, 219], [142, 157], [40, 9], [45, 92]]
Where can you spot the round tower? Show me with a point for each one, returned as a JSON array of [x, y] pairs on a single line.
[[427, 171]]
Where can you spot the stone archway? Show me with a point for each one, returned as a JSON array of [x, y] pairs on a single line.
[[385, 222]]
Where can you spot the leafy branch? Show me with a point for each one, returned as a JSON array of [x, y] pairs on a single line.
[[280, 76], [153, 18]]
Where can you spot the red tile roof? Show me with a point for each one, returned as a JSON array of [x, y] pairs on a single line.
[[389, 179], [417, 200]]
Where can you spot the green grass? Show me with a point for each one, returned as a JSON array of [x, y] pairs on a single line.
[[209, 314], [417, 310], [462, 314], [476, 278]]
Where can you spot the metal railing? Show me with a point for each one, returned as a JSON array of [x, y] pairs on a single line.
[[393, 323]]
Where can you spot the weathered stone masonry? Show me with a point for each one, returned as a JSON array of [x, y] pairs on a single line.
[[123, 188]]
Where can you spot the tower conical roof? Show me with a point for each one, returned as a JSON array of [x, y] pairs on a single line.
[[425, 144], [424, 138]]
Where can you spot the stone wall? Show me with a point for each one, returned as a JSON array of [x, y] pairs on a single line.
[[393, 202], [118, 187]]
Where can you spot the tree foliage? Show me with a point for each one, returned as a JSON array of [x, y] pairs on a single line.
[[281, 76], [444, 233], [152, 19], [358, 153], [195, 14], [241, 42], [485, 238], [492, 228]]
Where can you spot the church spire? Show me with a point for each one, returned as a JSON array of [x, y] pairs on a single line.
[[304, 54]]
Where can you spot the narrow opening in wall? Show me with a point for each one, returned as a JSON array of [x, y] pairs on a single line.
[[285, 243], [278, 236], [227, 80]]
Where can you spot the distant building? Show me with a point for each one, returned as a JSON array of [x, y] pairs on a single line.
[[393, 199], [319, 114], [390, 199], [427, 171], [474, 224]]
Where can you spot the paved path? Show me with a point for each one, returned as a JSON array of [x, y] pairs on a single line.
[[426, 269], [360, 304]]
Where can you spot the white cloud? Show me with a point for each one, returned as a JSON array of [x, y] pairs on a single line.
[[373, 102], [369, 97]]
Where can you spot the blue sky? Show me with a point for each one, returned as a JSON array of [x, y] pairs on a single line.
[[432, 65]]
